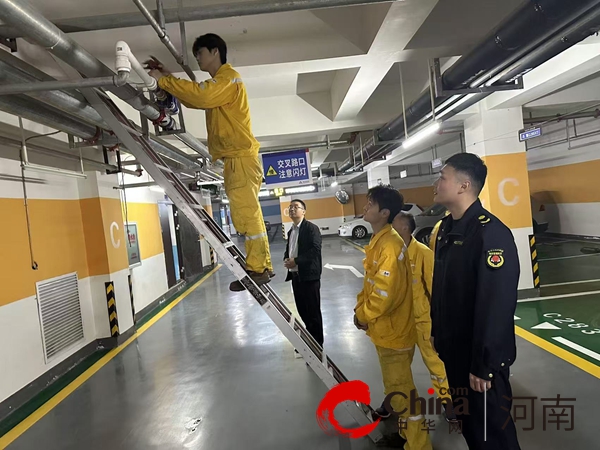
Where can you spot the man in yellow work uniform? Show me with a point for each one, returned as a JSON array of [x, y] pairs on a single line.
[[421, 261], [385, 311], [230, 138]]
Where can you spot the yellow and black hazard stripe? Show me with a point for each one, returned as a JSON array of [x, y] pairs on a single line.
[[131, 298], [534, 262], [212, 256], [283, 232], [112, 309]]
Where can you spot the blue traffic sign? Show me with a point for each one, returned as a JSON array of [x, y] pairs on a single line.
[[530, 134], [291, 167]]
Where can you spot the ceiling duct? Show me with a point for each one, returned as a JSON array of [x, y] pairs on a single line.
[[36, 29], [77, 109], [537, 24], [189, 14]]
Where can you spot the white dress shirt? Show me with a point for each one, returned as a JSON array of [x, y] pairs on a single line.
[[294, 243]]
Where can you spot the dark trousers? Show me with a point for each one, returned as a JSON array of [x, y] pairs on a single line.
[[307, 295], [501, 430]]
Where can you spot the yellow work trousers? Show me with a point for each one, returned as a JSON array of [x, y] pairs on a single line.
[[397, 377], [432, 361], [242, 178]]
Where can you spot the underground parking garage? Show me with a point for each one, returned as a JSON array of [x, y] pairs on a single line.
[[122, 235]]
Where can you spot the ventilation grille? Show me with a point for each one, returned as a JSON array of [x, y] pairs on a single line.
[[60, 313]]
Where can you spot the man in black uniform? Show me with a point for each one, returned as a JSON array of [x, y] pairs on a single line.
[[475, 279]]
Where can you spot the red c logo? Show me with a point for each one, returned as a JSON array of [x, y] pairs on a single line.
[[348, 391]]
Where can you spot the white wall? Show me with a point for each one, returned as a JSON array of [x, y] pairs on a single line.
[[149, 281], [564, 174], [22, 352]]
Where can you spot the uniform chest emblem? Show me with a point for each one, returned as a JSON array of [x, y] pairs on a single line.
[[495, 258]]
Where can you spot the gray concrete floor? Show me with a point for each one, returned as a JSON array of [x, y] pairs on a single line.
[[218, 360]]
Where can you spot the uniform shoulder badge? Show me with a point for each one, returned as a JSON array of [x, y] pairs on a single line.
[[484, 219], [495, 258]]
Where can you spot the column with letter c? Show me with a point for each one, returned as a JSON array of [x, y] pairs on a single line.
[[493, 135]]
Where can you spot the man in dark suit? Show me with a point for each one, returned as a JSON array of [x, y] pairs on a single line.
[[304, 263]]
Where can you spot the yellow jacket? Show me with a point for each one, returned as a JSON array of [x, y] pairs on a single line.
[[225, 100], [433, 235], [421, 261], [386, 304]]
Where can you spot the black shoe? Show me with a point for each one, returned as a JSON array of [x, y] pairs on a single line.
[[391, 441], [381, 413], [449, 413], [258, 278]]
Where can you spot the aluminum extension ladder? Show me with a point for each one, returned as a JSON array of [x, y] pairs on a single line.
[[233, 258]]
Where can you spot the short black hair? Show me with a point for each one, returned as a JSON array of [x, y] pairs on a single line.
[[412, 225], [299, 201], [472, 166], [211, 41], [387, 197]]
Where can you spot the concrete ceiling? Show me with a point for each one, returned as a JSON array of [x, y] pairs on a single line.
[[312, 74]]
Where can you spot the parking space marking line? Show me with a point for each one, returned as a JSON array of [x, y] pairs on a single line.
[[566, 283], [559, 352], [569, 257], [356, 246], [551, 297], [577, 347]]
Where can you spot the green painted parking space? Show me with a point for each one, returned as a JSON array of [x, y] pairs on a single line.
[[571, 323]]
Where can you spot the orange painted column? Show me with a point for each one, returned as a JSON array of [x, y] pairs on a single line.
[[106, 249], [494, 136]]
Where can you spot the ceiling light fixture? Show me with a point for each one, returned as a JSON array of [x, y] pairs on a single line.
[[300, 190], [421, 135]]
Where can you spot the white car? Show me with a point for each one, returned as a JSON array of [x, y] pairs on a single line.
[[359, 228]]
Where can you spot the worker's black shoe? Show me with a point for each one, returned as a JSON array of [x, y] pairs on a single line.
[[258, 278], [381, 413], [391, 441]]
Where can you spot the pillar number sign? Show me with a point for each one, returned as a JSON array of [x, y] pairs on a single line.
[[287, 168]]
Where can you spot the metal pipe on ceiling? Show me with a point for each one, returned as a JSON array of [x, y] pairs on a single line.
[[40, 86], [295, 147], [35, 111], [39, 30], [521, 34], [71, 103], [66, 156], [560, 117], [46, 115], [188, 14], [163, 36]]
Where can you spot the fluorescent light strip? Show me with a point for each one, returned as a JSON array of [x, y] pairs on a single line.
[[299, 190], [421, 135]]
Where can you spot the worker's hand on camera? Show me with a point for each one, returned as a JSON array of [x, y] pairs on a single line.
[[156, 74], [156, 68]]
